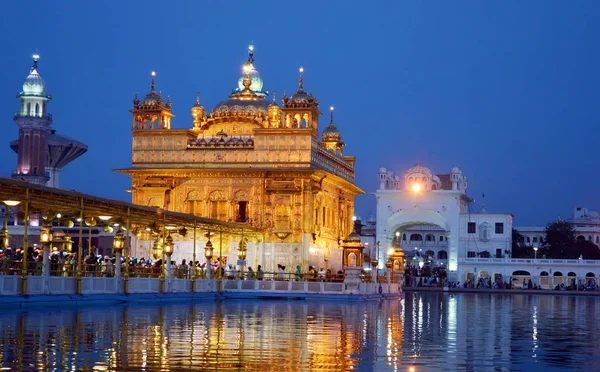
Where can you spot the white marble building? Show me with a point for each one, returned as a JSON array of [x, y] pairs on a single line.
[[586, 222], [432, 215]]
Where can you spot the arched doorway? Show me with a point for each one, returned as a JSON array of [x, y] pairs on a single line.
[[589, 277], [405, 219], [520, 279], [544, 280], [557, 279]]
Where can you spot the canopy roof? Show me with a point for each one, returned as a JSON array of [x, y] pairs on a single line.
[[43, 199]]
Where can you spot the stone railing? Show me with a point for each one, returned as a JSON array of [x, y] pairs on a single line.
[[529, 261], [10, 285]]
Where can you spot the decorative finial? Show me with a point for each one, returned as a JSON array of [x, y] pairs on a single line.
[[274, 96], [153, 75], [36, 57], [331, 115], [198, 98], [247, 82], [301, 81], [251, 52]]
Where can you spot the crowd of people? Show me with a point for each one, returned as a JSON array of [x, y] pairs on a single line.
[[64, 263]]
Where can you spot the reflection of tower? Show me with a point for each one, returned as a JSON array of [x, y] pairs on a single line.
[[41, 152]]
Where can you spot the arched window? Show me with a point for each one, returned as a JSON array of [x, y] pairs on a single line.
[[430, 238], [434, 187], [37, 109], [590, 238], [430, 254], [535, 239], [416, 237], [404, 237], [580, 238], [597, 239], [528, 240], [442, 238], [442, 255], [29, 108]]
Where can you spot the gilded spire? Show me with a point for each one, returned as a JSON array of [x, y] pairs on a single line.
[[274, 98], [152, 87], [331, 116], [247, 82], [301, 82], [36, 57], [197, 98], [251, 52]]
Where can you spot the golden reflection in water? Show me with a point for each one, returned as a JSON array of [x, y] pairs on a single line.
[[395, 331], [426, 332]]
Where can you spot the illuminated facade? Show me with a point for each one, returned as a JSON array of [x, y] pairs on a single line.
[[249, 161], [430, 216]]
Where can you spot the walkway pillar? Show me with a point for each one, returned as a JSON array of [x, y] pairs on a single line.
[[46, 269], [118, 272], [25, 248]]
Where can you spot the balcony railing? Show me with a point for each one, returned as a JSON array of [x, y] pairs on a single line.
[[20, 114], [529, 261]]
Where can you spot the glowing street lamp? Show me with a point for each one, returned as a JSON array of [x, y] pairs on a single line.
[[169, 246], [535, 249], [208, 253], [46, 235], [118, 242], [416, 187], [156, 249]]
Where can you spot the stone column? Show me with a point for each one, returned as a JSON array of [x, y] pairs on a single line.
[[118, 272], [46, 269], [168, 283]]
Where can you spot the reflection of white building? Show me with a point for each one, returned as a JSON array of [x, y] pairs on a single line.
[[432, 214]]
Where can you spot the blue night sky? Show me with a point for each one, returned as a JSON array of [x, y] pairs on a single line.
[[506, 90]]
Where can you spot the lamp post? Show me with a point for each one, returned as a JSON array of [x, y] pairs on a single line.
[[4, 242], [535, 249], [118, 243], [169, 252], [208, 253], [242, 246], [46, 239]]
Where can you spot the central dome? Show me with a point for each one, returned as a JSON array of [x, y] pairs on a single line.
[[257, 82], [234, 105]]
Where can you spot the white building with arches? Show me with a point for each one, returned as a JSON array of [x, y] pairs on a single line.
[[430, 215]]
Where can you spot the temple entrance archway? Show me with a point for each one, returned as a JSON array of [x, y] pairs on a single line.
[[416, 250]]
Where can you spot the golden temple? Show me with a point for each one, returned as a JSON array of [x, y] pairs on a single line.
[[251, 162]]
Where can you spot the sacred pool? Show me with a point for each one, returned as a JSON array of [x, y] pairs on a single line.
[[419, 332]]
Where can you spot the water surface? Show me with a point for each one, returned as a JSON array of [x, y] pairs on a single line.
[[421, 332]]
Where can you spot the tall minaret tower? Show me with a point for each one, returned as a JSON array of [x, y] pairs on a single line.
[[42, 153], [34, 124]]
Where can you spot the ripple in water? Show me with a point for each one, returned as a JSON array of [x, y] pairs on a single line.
[[422, 332]]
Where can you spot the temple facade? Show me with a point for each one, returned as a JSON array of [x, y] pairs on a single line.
[[250, 161]]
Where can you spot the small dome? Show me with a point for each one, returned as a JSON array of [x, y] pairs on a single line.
[[34, 84], [419, 169], [331, 134], [353, 237], [152, 99]]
